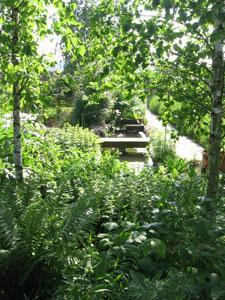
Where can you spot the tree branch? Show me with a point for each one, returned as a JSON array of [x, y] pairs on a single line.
[[23, 84]]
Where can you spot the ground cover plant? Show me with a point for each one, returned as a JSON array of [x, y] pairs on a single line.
[[90, 228]]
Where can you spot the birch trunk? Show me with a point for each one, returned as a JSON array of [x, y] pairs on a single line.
[[16, 100], [216, 112]]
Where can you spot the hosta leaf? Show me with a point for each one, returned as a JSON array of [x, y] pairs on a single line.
[[158, 246], [110, 226], [137, 277], [105, 243]]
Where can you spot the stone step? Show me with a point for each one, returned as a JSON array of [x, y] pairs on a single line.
[[124, 142], [135, 127]]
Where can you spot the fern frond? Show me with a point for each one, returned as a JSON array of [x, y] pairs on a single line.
[[80, 218]]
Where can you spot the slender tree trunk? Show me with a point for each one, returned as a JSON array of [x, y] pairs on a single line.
[[216, 112], [16, 100]]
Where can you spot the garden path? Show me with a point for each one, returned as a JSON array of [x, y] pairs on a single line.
[[185, 148]]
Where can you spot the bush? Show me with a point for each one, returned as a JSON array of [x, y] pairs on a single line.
[[46, 223], [85, 226], [44, 150], [74, 137], [149, 242], [133, 108], [161, 149], [94, 109], [57, 116], [99, 231]]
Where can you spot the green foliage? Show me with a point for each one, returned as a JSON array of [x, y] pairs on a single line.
[[70, 138], [42, 223], [31, 68], [46, 150], [161, 148], [94, 109], [148, 236], [108, 78], [182, 77], [33, 232], [198, 130], [84, 226], [155, 106], [133, 108], [57, 116]]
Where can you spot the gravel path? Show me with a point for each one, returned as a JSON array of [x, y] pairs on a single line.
[[185, 148]]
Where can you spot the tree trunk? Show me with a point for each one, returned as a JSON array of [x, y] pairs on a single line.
[[216, 112], [16, 100]]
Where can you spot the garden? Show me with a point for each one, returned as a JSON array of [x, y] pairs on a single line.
[[76, 220]]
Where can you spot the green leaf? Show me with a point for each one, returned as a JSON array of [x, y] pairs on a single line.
[[110, 226], [82, 50], [27, 49], [217, 35], [166, 3], [155, 3], [101, 291], [158, 246], [137, 277]]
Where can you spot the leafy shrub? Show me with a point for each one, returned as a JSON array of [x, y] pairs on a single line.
[[161, 149], [57, 116], [43, 231], [70, 137], [147, 236], [133, 108], [44, 150], [85, 226], [101, 231], [95, 109]]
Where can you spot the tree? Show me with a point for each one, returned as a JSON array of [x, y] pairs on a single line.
[[217, 89], [108, 77], [189, 56], [16, 94], [21, 66], [23, 23]]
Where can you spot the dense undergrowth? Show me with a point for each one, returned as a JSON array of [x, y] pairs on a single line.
[[85, 226]]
